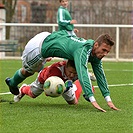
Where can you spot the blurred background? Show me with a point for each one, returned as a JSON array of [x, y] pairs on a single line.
[[105, 12]]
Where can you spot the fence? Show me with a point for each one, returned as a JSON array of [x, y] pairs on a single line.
[[122, 34]]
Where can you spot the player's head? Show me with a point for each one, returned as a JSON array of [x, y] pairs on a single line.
[[64, 3], [102, 46], [70, 70]]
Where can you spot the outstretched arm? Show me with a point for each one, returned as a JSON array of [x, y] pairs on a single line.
[[102, 83], [82, 70]]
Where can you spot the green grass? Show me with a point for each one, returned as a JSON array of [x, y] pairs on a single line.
[[54, 115]]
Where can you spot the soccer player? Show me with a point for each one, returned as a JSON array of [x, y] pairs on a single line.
[[66, 71], [63, 45], [64, 19]]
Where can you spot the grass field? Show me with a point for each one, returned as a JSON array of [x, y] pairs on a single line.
[[54, 115]]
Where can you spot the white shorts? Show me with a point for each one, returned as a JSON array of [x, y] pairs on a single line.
[[32, 60]]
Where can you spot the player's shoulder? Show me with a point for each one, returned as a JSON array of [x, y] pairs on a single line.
[[61, 8], [91, 41]]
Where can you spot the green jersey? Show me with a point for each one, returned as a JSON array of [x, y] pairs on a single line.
[[63, 19], [60, 44]]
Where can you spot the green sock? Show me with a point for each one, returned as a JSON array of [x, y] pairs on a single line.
[[17, 78]]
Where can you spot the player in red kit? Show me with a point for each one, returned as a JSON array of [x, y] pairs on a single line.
[[66, 71]]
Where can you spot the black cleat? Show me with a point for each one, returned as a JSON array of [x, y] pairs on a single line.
[[86, 98], [13, 90]]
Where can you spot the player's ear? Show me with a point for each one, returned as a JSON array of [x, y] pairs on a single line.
[[96, 45]]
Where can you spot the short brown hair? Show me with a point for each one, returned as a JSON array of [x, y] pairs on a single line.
[[61, 0], [71, 63], [105, 38]]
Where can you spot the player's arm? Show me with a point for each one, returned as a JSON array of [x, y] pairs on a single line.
[[84, 78], [61, 18], [102, 83], [73, 21]]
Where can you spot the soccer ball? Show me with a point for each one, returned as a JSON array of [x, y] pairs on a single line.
[[54, 86]]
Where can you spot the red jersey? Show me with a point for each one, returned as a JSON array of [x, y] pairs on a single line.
[[56, 69]]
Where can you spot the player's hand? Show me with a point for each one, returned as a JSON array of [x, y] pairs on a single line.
[[73, 21], [48, 59], [76, 30], [112, 106], [95, 104]]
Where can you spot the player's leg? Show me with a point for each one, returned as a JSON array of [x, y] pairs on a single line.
[[18, 97], [78, 89], [16, 79], [69, 96], [72, 94], [32, 63], [33, 90]]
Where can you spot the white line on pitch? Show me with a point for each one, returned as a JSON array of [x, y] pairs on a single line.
[[5, 93], [124, 70], [130, 84]]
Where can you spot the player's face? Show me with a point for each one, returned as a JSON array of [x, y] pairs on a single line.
[[100, 50], [70, 72], [64, 3]]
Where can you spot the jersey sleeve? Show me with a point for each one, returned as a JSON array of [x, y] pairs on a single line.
[[81, 59], [81, 62], [64, 19], [61, 17], [100, 76]]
